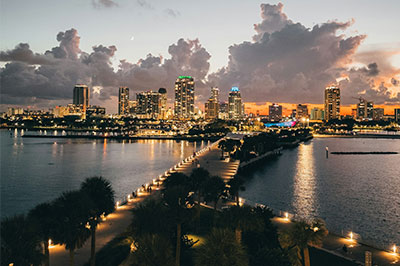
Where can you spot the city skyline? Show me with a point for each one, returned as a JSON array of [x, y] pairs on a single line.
[[268, 76]]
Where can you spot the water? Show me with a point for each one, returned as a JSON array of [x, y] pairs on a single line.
[[359, 193], [38, 170]]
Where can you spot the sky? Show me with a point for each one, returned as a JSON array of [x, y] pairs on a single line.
[[294, 51]]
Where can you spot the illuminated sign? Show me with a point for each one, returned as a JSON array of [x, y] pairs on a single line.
[[281, 124], [235, 89], [185, 77]]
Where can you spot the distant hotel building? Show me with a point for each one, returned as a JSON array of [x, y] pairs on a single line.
[[332, 103], [317, 114], [365, 110], [212, 105], [275, 112], [184, 97], [235, 104], [123, 101], [301, 111]]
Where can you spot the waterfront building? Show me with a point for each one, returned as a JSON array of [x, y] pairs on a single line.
[[365, 109], [211, 108], [301, 111], [275, 112], [148, 104], [235, 106], [11, 111], [332, 103], [223, 111], [379, 113], [184, 97], [397, 114], [95, 110], [69, 110], [317, 114], [123, 101], [81, 96], [163, 103]]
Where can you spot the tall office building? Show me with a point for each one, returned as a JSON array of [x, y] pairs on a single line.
[[123, 101], [317, 114], [332, 103], [212, 105], [301, 111], [223, 111], [163, 103], [275, 112], [215, 93], [397, 114], [365, 109], [235, 106], [81, 95], [184, 97], [148, 104]]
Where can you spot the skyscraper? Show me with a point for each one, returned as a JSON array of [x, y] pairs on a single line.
[[184, 97], [81, 95], [148, 104], [332, 103], [123, 101], [275, 112], [235, 107], [301, 111], [365, 109], [163, 103], [212, 105]]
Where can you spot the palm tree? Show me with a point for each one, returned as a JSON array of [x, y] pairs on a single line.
[[153, 250], [242, 218], [72, 212], [177, 179], [20, 244], [43, 219], [214, 188], [101, 195], [179, 202], [235, 186], [220, 248], [197, 179], [301, 235]]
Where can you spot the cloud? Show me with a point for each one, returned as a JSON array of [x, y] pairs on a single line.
[[144, 4], [172, 13], [288, 62], [104, 3]]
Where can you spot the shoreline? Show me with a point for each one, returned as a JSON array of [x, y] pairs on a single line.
[[370, 136]]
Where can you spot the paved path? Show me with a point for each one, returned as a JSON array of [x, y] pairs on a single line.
[[355, 252]]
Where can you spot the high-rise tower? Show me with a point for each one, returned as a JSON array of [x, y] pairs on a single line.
[[123, 101], [184, 97], [235, 107], [81, 95], [332, 103]]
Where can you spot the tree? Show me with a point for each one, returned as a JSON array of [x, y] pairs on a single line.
[[153, 250], [242, 218], [301, 235], [197, 179], [177, 179], [214, 189], [72, 212], [19, 242], [220, 248], [43, 220], [179, 202], [236, 184], [101, 195]]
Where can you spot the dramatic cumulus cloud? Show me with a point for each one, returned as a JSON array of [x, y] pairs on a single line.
[[284, 62], [30, 78], [288, 62]]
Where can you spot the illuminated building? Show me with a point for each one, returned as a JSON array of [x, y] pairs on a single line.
[[184, 97], [212, 106], [132, 107], [293, 114], [163, 103], [123, 101], [397, 115], [11, 111], [95, 110], [81, 97], [365, 109], [275, 112], [148, 104], [301, 111], [332, 103], [317, 114], [223, 111], [379, 113], [235, 106]]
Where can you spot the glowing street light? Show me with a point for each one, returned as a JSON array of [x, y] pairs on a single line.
[[394, 248]]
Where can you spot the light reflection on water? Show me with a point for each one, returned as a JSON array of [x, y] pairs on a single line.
[[304, 182], [37, 170]]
